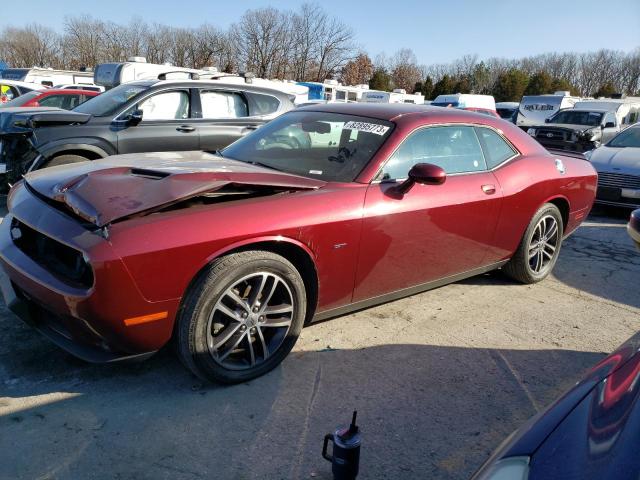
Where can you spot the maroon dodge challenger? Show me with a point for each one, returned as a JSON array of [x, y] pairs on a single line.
[[325, 210]]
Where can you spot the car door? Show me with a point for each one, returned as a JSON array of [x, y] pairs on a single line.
[[224, 117], [433, 231], [166, 124]]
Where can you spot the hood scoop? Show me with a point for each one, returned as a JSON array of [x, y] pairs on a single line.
[[105, 195]]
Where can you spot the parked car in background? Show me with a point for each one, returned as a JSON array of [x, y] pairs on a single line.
[[592, 432], [10, 89], [154, 115], [625, 110], [484, 104], [633, 227], [536, 109], [64, 99], [576, 130], [80, 86], [508, 110], [230, 254], [47, 76], [618, 167]]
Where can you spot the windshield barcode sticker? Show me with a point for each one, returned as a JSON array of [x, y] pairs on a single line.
[[366, 127]]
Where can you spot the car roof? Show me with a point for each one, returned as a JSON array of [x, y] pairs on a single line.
[[587, 109], [18, 83], [391, 111], [186, 83], [67, 91]]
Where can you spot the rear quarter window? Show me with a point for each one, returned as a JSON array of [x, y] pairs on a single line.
[[264, 104], [496, 149]]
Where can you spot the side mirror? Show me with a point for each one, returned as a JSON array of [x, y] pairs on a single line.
[[135, 117], [424, 173], [609, 125], [547, 120]]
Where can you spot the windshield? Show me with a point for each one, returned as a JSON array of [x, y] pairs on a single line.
[[627, 138], [111, 101], [322, 145], [578, 117], [506, 112], [21, 100]]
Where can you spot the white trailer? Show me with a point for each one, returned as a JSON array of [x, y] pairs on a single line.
[[399, 95], [535, 109], [47, 76]]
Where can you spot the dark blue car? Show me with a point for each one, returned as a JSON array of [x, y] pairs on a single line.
[[592, 432]]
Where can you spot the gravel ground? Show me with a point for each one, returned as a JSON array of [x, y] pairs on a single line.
[[439, 379]]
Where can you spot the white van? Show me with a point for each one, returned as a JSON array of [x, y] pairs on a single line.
[[535, 109], [111, 75], [626, 110], [399, 95], [47, 76]]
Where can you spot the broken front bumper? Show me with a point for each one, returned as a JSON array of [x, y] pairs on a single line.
[[89, 320]]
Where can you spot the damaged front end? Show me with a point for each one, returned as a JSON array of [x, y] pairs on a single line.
[[18, 138], [17, 154], [101, 196]]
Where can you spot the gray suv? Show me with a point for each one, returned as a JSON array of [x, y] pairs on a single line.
[[145, 116]]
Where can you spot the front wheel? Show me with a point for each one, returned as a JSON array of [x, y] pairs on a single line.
[[64, 160], [242, 317], [540, 246]]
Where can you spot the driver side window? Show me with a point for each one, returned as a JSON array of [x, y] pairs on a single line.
[[454, 148], [166, 106]]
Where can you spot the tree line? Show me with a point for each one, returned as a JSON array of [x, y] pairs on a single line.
[[308, 44]]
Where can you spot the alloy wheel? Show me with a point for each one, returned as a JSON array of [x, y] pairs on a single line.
[[250, 321], [544, 244]]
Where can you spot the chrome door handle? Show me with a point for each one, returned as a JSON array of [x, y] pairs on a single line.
[[186, 128], [489, 189]]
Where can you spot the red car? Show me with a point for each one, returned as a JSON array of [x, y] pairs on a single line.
[[60, 98], [324, 210]]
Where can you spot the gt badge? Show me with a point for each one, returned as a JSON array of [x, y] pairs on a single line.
[[560, 166]]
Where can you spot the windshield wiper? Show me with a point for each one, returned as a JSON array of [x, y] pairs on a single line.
[[260, 164]]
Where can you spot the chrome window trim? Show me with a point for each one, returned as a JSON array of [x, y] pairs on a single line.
[[517, 153]]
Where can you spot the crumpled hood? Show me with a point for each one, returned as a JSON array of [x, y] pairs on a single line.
[[106, 190], [619, 160]]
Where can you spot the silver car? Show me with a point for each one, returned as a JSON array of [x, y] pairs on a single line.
[[618, 166]]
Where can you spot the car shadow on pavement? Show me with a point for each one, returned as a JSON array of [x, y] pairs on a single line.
[[425, 412], [599, 258]]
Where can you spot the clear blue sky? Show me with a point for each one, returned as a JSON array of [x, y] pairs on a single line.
[[437, 31]]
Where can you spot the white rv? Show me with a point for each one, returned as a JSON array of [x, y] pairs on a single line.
[[47, 76], [336, 92], [111, 75], [399, 95], [626, 110], [535, 109]]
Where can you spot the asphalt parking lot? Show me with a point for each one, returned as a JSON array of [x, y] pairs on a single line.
[[439, 379]]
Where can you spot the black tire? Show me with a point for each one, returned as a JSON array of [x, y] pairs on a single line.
[[196, 324], [522, 267], [64, 160]]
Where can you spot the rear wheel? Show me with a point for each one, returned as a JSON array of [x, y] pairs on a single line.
[[64, 159], [242, 317], [539, 249]]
